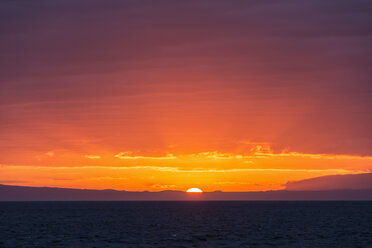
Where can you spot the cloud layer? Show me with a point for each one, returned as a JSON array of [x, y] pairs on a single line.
[[155, 77]]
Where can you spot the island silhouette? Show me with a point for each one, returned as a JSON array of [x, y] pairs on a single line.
[[340, 187]]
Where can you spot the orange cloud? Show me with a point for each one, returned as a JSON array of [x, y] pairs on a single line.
[[93, 156], [129, 155]]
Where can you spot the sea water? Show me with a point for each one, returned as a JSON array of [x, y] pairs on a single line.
[[186, 224]]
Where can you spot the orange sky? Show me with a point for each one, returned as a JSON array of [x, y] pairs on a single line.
[[256, 169], [239, 97]]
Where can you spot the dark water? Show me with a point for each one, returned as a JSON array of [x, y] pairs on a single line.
[[186, 224]]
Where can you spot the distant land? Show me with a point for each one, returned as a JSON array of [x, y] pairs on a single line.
[[343, 187], [333, 182]]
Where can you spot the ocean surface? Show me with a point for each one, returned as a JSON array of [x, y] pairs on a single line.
[[186, 224]]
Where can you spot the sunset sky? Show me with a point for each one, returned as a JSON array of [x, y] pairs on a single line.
[[168, 95]]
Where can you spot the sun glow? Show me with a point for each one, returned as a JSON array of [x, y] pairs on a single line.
[[194, 190]]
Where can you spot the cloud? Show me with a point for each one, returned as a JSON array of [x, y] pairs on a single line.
[[179, 169], [93, 156], [128, 75], [49, 154], [162, 186], [12, 181], [312, 156], [129, 155]]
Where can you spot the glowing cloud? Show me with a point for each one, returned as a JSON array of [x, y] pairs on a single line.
[[93, 156]]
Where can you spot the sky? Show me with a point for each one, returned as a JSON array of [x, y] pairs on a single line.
[[168, 95]]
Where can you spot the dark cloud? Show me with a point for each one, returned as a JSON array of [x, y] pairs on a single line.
[[305, 64]]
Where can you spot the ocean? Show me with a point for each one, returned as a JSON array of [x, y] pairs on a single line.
[[186, 224]]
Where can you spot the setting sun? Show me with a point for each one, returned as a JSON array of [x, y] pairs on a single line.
[[161, 105], [128, 123], [194, 190]]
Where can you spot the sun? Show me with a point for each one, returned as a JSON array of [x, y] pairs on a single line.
[[194, 190]]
